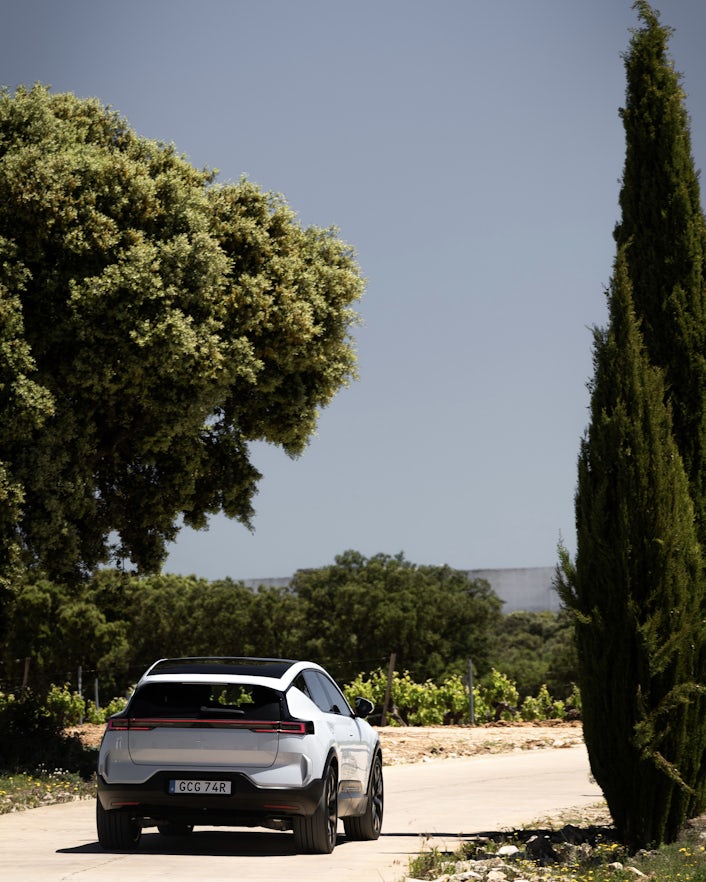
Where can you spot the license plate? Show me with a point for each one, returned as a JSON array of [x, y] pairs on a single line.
[[188, 785]]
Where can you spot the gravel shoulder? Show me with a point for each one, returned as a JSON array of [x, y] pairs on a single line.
[[412, 744]]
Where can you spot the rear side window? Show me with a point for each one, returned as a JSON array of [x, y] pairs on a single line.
[[201, 701], [324, 693]]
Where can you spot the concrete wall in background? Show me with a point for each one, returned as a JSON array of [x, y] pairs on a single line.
[[530, 588]]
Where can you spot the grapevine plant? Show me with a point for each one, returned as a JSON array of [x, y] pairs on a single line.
[[432, 704]]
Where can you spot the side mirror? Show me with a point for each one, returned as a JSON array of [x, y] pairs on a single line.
[[363, 707]]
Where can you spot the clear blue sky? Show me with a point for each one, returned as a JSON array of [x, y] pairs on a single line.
[[471, 151]]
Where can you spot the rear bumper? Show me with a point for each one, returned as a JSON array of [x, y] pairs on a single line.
[[247, 804]]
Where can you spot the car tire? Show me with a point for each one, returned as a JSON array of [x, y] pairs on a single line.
[[316, 834], [368, 825], [174, 828], [117, 830]]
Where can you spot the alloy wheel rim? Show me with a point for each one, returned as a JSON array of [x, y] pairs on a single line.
[[377, 798], [332, 807]]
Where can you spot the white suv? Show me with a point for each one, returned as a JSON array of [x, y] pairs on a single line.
[[239, 742]]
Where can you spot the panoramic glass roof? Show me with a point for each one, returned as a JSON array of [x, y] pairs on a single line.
[[244, 667]]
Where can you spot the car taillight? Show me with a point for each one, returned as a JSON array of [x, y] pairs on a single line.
[[287, 727], [123, 724], [297, 727]]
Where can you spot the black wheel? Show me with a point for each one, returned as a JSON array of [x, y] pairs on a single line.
[[117, 830], [316, 834], [175, 828], [369, 824]]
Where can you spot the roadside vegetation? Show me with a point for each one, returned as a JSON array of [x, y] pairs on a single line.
[[564, 850], [23, 790], [39, 763]]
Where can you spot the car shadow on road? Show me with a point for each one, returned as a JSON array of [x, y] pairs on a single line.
[[245, 843]]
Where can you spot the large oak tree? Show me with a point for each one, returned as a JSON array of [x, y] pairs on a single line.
[[153, 323]]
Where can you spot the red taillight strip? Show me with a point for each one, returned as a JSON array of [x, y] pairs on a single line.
[[134, 724], [124, 725]]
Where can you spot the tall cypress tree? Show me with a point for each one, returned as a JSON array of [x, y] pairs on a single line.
[[664, 234], [637, 613], [637, 588]]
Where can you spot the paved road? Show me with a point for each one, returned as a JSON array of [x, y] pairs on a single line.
[[436, 801]]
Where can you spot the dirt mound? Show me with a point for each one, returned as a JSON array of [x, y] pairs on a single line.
[[411, 744]]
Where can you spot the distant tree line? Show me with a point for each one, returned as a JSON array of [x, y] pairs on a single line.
[[349, 616]]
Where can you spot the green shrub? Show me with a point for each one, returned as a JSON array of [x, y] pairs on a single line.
[[416, 704], [114, 706], [501, 696], [531, 709], [371, 686], [66, 708], [573, 703], [481, 708], [542, 707], [33, 739], [98, 715], [453, 694], [94, 715]]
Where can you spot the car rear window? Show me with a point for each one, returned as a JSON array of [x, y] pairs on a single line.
[[203, 700]]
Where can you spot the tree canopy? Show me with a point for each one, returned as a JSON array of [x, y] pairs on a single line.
[[153, 323], [434, 618]]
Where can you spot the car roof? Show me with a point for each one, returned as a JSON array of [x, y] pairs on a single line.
[[276, 672]]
